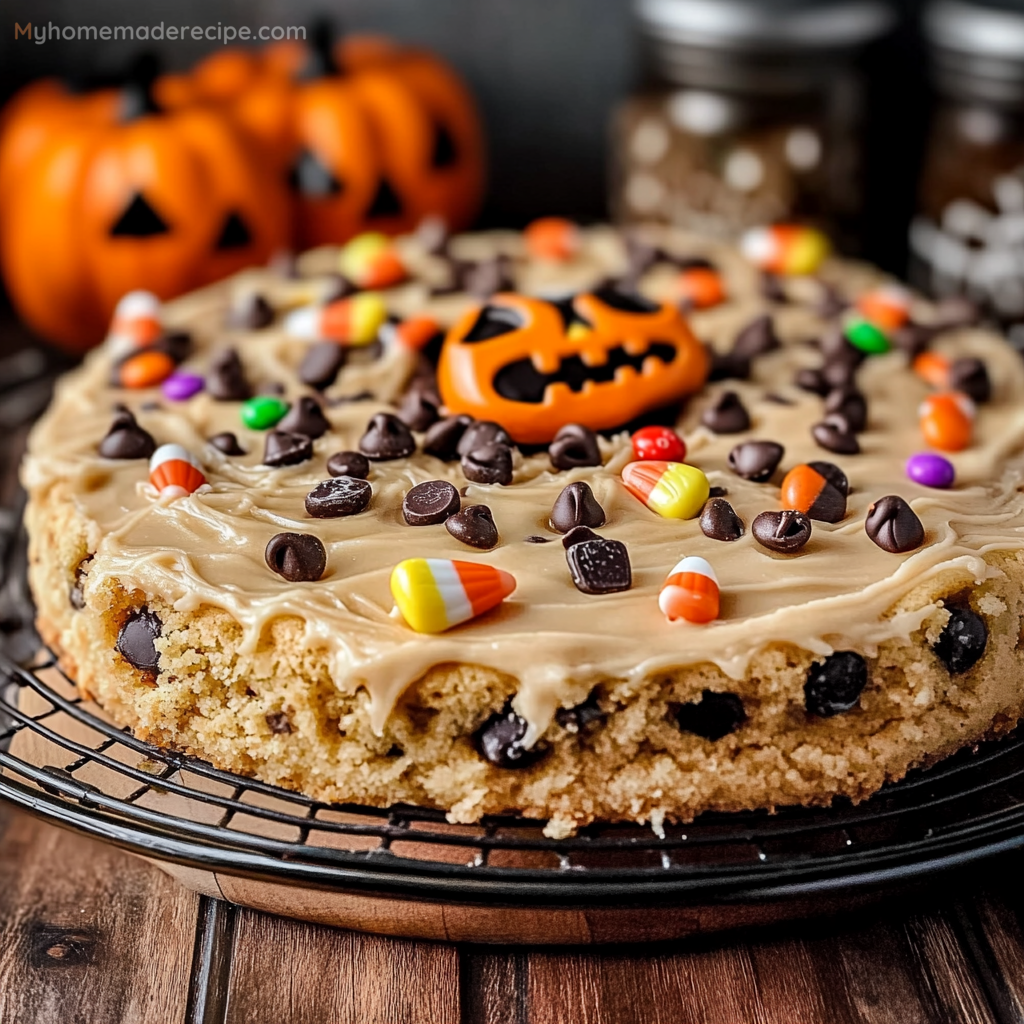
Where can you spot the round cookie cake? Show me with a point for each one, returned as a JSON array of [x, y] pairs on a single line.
[[323, 548]]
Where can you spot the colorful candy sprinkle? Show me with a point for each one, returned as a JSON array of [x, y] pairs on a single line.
[[672, 489], [690, 592], [866, 336], [352, 321], [887, 307], [931, 470], [785, 248], [933, 368], [552, 238], [434, 594], [947, 420], [700, 287], [658, 443], [181, 386], [175, 472], [807, 490], [145, 369], [370, 261], [263, 412]]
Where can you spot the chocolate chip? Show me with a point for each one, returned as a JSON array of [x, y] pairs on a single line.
[[962, 641], [349, 464], [574, 446], [176, 344], [322, 363], [126, 439], [285, 449], [717, 492], [808, 379], [135, 640], [482, 432], [339, 496], [786, 531], [418, 409], [226, 379], [713, 716], [474, 526], [835, 684], [772, 289], [577, 535], [727, 415], [442, 440], [719, 521], [386, 437], [76, 596], [336, 286], [970, 376], [834, 435], [535, 539], [893, 525], [250, 312], [726, 366], [829, 506], [913, 338], [830, 301], [278, 722], [430, 503], [298, 557], [756, 460], [599, 566], [227, 443], [360, 396], [500, 740], [836, 348], [576, 719], [757, 338], [576, 506], [833, 474], [305, 417], [488, 464], [849, 403]]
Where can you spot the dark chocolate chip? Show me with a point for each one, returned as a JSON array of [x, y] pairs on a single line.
[[913, 338], [830, 301], [359, 396], [322, 363], [227, 443], [834, 435], [838, 374], [500, 740], [126, 439], [809, 379], [339, 496], [76, 595], [577, 718], [713, 716], [577, 535], [226, 380], [481, 432], [756, 460], [574, 446], [717, 492], [386, 437], [970, 376], [772, 288], [727, 415], [962, 641], [600, 566], [349, 464], [286, 449], [849, 403], [757, 338], [786, 531], [726, 366], [488, 464], [278, 722], [250, 312], [893, 525], [305, 417], [135, 640], [298, 557], [176, 344], [430, 503], [474, 526], [576, 506], [442, 440], [535, 539], [719, 521], [833, 474], [836, 348], [418, 409], [835, 684]]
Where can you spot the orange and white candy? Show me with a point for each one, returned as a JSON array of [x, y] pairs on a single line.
[[700, 287], [353, 321], [412, 334], [947, 420], [370, 260], [552, 238], [434, 594], [135, 323], [785, 248], [174, 471], [887, 307], [933, 368], [690, 592]]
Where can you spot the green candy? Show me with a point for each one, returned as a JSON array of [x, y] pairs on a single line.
[[867, 337], [263, 412]]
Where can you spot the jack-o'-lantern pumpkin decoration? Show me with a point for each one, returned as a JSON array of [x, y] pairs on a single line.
[[600, 359], [106, 194]]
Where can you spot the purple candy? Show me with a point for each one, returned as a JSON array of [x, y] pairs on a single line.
[[182, 385], [930, 470]]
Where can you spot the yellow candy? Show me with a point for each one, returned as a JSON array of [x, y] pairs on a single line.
[[672, 489], [370, 261], [434, 594]]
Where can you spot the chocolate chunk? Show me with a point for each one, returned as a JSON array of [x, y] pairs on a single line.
[[599, 566], [535, 539], [76, 595], [500, 740], [913, 338], [226, 379], [849, 403], [576, 506], [719, 521], [893, 525], [482, 432], [286, 449], [757, 338], [298, 557], [830, 504], [727, 366], [322, 363], [305, 417], [838, 374], [836, 348], [577, 535], [576, 719], [386, 437], [772, 288], [962, 641], [756, 460], [834, 435], [349, 464], [442, 440], [474, 526], [717, 492], [135, 640], [126, 439], [176, 344], [808, 379], [339, 496], [488, 464], [574, 446], [835, 684], [786, 531], [278, 722], [727, 415], [970, 376], [419, 408], [483, 279], [250, 312], [713, 716], [430, 503], [227, 443]]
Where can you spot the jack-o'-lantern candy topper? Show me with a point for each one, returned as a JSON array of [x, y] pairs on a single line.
[[599, 359]]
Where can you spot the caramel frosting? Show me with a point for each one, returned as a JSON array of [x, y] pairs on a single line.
[[837, 593]]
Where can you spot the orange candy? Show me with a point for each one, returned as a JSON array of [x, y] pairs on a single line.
[[552, 238], [701, 287], [146, 369], [933, 368], [415, 332], [887, 307], [806, 490], [947, 421], [690, 592]]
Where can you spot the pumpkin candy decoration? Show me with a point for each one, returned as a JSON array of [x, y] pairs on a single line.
[[599, 359]]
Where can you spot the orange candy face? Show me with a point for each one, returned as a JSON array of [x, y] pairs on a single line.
[[947, 421]]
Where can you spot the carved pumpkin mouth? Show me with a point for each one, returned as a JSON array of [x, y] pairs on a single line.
[[521, 381]]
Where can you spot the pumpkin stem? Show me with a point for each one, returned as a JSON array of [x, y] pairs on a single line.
[[321, 61], [137, 92]]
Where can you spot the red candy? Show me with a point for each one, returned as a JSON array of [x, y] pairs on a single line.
[[659, 443]]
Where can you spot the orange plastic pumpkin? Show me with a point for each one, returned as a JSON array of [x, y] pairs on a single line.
[[599, 359]]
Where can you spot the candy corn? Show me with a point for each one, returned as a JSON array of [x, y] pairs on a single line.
[[947, 420], [887, 307], [370, 261], [658, 443], [145, 369], [700, 287], [174, 472], [136, 321], [352, 321], [690, 592], [933, 368], [785, 248], [672, 489], [413, 333], [434, 594], [552, 238]]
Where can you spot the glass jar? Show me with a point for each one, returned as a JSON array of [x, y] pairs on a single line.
[[750, 114]]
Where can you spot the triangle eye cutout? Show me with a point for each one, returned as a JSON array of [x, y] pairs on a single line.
[[492, 322], [385, 201], [139, 220], [234, 234], [625, 302], [444, 154], [310, 177]]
